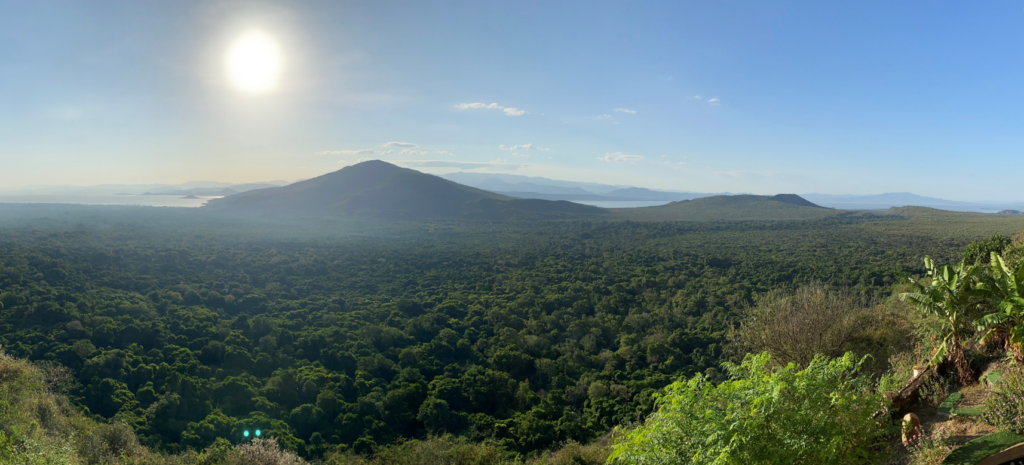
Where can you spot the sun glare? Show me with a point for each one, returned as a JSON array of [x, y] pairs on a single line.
[[254, 62]]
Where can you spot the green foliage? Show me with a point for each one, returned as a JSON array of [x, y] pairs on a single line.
[[1005, 403], [979, 252], [39, 426], [822, 414], [953, 297], [1005, 287], [190, 329]]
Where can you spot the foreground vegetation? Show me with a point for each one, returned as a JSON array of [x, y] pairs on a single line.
[[502, 341]]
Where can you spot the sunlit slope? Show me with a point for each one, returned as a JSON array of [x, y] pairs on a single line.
[[730, 207], [376, 189]]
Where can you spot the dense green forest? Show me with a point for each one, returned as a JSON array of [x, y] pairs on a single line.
[[529, 334]]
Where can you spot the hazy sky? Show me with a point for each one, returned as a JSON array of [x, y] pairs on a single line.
[[764, 97]]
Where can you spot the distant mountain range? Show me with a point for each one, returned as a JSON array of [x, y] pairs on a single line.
[[213, 191], [509, 186], [899, 199], [529, 187], [376, 189], [199, 188]]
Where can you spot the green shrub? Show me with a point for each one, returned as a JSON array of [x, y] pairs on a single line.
[[1005, 403], [821, 414]]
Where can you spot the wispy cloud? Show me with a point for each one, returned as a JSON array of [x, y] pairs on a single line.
[[413, 152], [603, 117], [343, 162], [467, 106], [517, 154], [697, 97], [498, 164], [401, 144], [510, 111], [523, 147], [444, 152], [619, 157], [356, 152], [713, 100], [626, 111]]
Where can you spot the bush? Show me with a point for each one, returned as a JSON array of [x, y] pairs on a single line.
[[444, 450], [797, 326], [264, 452], [1004, 407], [821, 414], [574, 453]]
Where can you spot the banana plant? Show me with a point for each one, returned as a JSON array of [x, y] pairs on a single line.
[[952, 295], [1006, 287]]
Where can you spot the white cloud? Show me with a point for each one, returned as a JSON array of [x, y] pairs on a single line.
[[602, 116], [499, 160], [517, 154], [619, 157], [444, 152], [523, 147], [665, 155], [401, 144], [349, 163], [356, 152], [626, 111], [696, 97], [496, 165], [713, 100], [491, 106], [413, 152], [466, 106]]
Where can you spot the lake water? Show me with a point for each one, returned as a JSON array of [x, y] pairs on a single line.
[[104, 199], [622, 203]]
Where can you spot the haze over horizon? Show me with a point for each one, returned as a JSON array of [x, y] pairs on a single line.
[[805, 97]]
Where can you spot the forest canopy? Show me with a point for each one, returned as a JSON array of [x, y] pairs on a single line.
[[526, 335]]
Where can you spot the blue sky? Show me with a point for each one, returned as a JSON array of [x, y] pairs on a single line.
[[764, 97]]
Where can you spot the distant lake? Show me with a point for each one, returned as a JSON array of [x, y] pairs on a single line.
[[106, 199], [622, 203]]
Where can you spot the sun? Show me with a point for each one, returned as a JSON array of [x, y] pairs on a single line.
[[254, 62]]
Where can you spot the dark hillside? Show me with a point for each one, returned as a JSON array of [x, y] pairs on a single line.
[[731, 208], [376, 189], [794, 199], [368, 189]]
